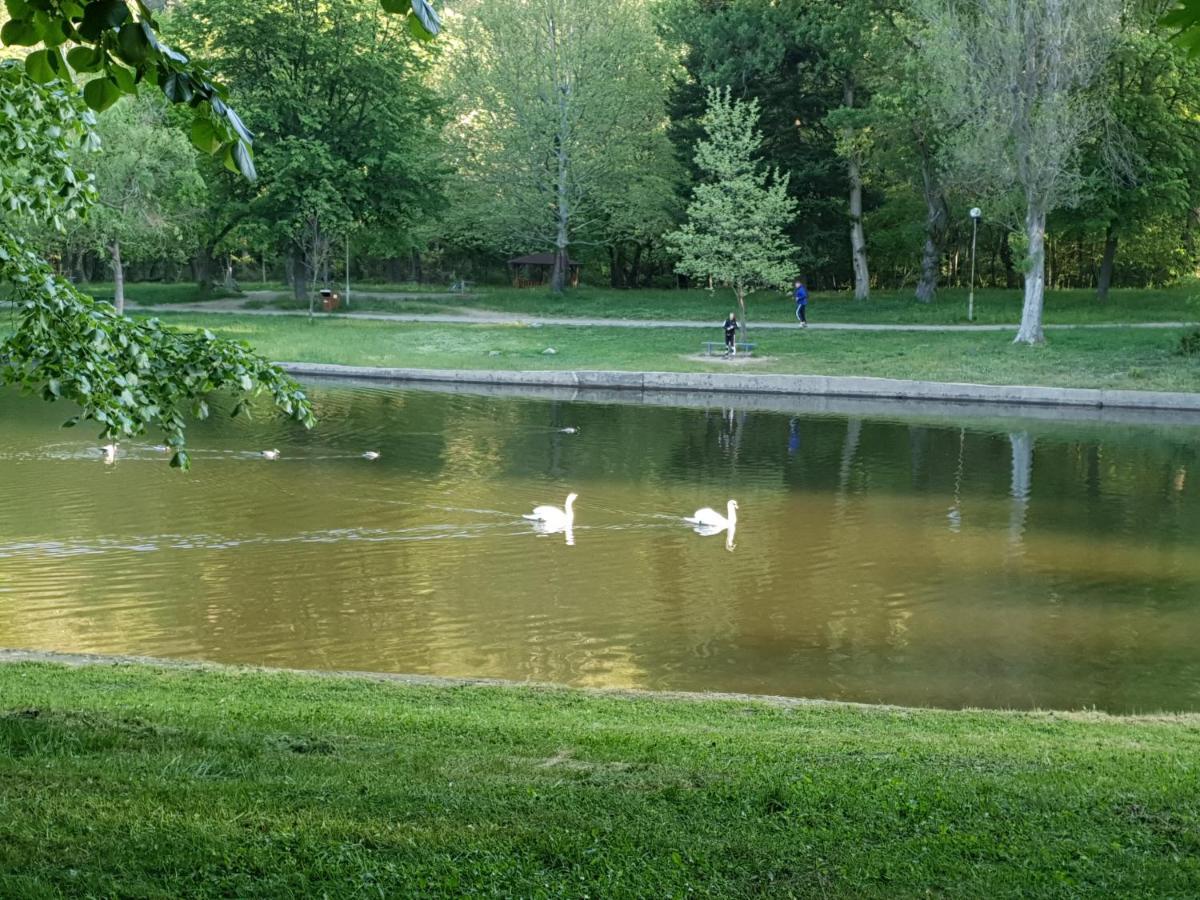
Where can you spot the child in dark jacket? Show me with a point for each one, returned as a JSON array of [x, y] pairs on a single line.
[[731, 327]]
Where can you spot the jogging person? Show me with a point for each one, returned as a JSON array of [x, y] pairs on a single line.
[[801, 295]]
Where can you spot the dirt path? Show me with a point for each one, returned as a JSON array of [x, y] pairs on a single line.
[[489, 317]]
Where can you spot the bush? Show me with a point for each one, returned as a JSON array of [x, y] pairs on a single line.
[[1189, 344]]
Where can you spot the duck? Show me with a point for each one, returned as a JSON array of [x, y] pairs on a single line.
[[270, 454], [371, 454], [709, 518], [109, 452], [551, 517]]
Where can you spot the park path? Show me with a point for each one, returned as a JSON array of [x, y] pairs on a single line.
[[482, 317]]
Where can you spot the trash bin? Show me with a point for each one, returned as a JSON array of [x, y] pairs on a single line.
[[330, 300]]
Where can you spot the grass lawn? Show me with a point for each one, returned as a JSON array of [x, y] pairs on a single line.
[[153, 293], [1176, 304], [138, 781], [1180, 303], [1136, 359]]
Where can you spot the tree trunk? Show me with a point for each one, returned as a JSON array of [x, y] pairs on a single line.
[[1104, 282], [635, 268], [1006, 257], [935, 228], [858, 241], [614, 266], [1030, 331], [229, 282], [118, 270], [418, 275], [741, 299], [202, 271], [295, 274]]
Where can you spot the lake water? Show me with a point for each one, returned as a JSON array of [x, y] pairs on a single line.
[[913, 558]]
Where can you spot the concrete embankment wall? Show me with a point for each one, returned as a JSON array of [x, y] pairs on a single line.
[[798, 385]]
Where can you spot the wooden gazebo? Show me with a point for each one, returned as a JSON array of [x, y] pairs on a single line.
[[534, 269]]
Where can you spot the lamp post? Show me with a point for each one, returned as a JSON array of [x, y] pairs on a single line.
[[976, 213]]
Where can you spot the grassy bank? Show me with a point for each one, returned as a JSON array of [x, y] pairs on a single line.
[[1136, 359], [1175, 304], [137, 781]]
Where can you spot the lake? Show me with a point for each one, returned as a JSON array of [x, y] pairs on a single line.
[[886, 553]]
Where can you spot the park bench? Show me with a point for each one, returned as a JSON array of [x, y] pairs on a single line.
[[714, 348]]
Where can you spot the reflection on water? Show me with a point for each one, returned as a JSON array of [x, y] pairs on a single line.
[[1026, 564]]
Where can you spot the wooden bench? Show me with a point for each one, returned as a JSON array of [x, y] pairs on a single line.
[[712, 348]]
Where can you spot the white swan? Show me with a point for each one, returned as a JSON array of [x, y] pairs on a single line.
[[570, 429], [709, 518], [371, 454], [553, 518], [270, 454], [110, 453]]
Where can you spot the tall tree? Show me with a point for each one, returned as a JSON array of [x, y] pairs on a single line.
[[148, 185], [125, 375], [1013, 78], [347, 124], [765, 51], [735, 224], [1149, 88], [560, 105]]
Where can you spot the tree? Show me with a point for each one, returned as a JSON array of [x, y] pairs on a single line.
[[1013, 77], [346, 120], [558, 105], [735, 228], [123, 374], [148, 187], [1148, 87], [764, 51]]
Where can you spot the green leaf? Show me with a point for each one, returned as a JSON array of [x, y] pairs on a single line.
[[19, 33], [43, 66], [396, 6], [85, 59], [18, 9], [417, 30], [123, 78], [429, 19], [132, 45], [101, 15], [178, 87], [52, 30], [101, 93], [204, 135], [239, 159]]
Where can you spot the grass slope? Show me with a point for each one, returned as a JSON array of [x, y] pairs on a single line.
[[1135, 359], [137, 781]]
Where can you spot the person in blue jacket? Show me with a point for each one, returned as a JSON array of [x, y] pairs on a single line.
[[801, 295]]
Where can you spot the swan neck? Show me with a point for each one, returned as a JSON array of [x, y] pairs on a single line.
[[732, 511]]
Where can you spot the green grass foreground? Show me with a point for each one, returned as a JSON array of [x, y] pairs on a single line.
[[165, 782], [1140, 359]]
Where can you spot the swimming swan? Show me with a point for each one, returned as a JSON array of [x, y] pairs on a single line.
[[554, 518], [709, 518], [270, 454], [371, 454], [109, 452]]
